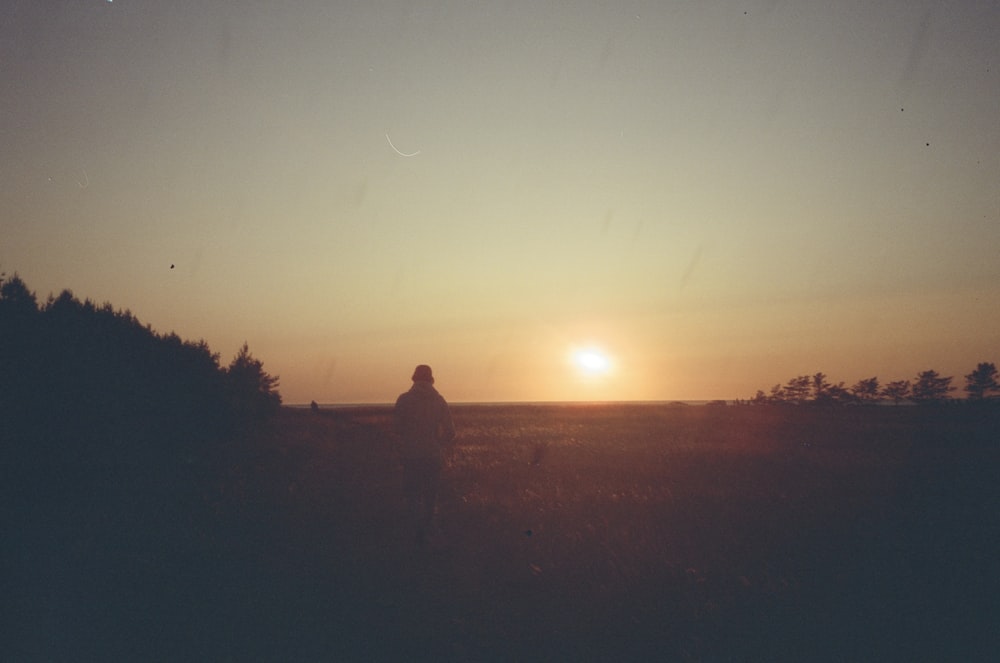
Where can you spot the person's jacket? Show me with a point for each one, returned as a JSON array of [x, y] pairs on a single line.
[[423, 422]]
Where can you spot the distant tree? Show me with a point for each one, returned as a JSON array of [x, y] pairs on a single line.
[[866, 391], [931, 387], [897, 391], [15, 298], [826, 393], [837, 394], [819, 387], [20, 348], [252, 391], [777, 394], [797, 389], [982, 382]]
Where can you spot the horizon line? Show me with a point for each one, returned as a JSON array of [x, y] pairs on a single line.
[[526, 402]]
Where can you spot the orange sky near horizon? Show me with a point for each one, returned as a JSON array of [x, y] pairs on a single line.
[[720, 196]]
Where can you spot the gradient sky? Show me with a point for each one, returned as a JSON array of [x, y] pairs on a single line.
[[721, 195]]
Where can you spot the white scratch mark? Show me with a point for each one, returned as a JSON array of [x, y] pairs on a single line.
[[396, 149], [86, 181]]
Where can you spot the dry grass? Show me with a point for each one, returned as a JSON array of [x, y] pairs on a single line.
[[603, 532], [592, 533]]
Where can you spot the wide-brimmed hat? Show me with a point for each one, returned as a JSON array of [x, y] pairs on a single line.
[[423, 374]]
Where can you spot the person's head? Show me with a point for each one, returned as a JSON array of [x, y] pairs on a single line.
[[423, 374]]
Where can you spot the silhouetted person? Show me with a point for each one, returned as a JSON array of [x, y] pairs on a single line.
[[424, 427]]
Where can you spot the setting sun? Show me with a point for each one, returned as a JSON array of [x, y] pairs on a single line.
[[591, 361]]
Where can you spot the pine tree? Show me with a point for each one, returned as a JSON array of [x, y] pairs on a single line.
[[982, 382], [931, 387]]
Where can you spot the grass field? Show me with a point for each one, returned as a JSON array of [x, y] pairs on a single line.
[[613, 532]]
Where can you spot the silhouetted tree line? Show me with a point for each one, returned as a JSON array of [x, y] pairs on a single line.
[[88, 394], [927, 388]]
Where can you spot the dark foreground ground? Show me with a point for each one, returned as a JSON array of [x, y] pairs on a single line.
[[568, 533]]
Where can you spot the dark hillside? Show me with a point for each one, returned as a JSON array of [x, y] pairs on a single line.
[[112, 439]]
